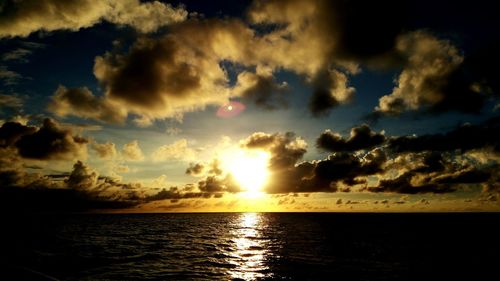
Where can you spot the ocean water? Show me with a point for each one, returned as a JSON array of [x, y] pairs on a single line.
[[250, 246]]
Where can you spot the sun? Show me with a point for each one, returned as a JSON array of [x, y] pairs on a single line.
[[250, 170]]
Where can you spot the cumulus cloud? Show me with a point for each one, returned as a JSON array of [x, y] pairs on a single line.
[[326, 37], [218, 184], [105, 150], [177, 73], [132, 152], [21, 18], [175, 194], [285, 149], [337, 172], [178, 150], [14, 175], [320, 32], [466, 137], [81, 102], [80, 190], [195, 169], [11, 132], [403, 184], [361, 137], [397, 165], [182, 71], [203, 169], [322, 41], [216, 181], [261, 88], [289, 175], [432, 78], [50, 141], [346, 168], [430, 172], [82, 177], [330, 90]]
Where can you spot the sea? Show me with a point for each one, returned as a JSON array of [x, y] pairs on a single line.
[[251, 246]]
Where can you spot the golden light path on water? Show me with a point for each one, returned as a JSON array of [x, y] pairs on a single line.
[[250, 248]]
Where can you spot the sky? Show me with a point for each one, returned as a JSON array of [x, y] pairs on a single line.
[[279, 105]]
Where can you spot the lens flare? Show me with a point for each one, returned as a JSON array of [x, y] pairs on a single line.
[[230, 109]]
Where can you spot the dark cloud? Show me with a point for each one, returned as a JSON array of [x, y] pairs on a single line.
[[361, 137], [54, 200], [51, 141], [337, 24], [174, 194], [262, 89], [403, 184], [195, 169], [432, 162], [464, 138], [330, 90], [179, 72], [327, 36], [215, 181], [201, 169], [426, 166], [82, 177], [319, 176], [345, 167], [290, 179], [382, 22], [430, 172], [470, 175], [219, 184], [82, 103], [285, 149], [81, 190], [483, 66], [322, 41], [434, 78], [11, 132]]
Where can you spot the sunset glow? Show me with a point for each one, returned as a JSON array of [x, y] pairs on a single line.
[[304, 105], [249, 140], [250, 170]]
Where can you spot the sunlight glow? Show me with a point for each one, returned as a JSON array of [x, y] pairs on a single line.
[[250, 249], [250, 170]]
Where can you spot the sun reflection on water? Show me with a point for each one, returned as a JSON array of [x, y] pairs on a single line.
[[250, 249]]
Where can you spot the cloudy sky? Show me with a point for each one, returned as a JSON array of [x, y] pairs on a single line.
[[280, 105]]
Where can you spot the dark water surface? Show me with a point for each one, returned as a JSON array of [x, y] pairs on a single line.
[[250, 246]]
